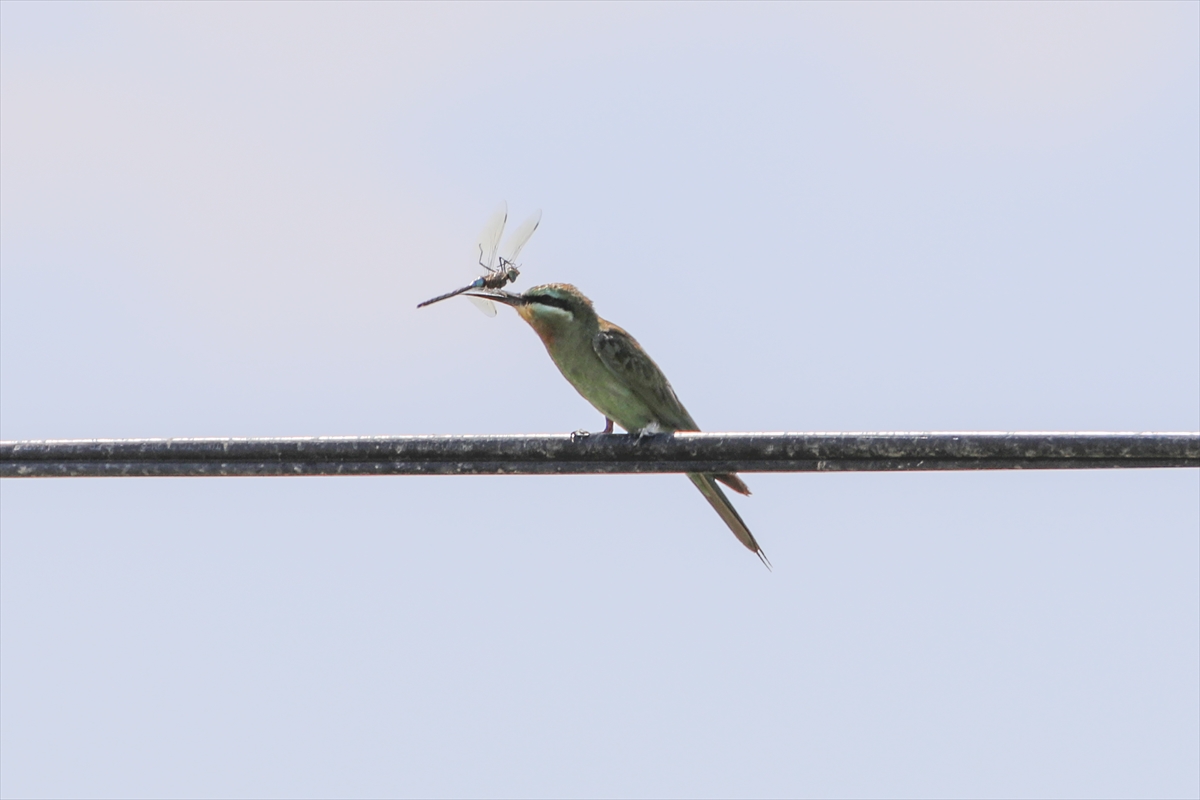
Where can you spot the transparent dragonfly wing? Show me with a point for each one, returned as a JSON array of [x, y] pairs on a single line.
[[520, 236], [489, 238], [486, 306], [489, 243], [511, 248]]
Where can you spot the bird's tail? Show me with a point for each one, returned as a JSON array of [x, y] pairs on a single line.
[[733, 482], [707, 485]]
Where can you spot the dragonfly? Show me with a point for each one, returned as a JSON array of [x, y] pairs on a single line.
[[497, 272]]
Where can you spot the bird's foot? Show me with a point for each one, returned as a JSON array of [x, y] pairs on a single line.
[[582, 434]]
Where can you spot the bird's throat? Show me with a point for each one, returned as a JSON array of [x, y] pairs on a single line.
[[546, 329]]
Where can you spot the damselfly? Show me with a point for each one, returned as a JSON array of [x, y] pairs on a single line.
[[496, 274]]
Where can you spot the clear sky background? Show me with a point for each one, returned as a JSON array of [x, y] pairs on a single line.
[[217, 220]]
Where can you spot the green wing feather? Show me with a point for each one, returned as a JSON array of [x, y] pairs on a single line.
[[621, 353]]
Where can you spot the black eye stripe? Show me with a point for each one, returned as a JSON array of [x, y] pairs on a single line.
[[557, 302]]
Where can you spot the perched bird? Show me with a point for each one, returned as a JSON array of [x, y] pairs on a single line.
[[611, 370]]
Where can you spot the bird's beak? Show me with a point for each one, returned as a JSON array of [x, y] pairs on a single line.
[[507, 298]]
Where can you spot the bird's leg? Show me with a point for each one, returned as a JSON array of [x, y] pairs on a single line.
[[582, 434]]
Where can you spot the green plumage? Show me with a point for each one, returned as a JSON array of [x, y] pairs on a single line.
[[612, 372]]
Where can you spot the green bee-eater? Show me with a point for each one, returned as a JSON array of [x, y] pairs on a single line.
[[611, 370]]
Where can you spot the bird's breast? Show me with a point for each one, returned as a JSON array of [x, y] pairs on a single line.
[[571, 349]]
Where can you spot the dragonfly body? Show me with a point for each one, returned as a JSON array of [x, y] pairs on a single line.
[[498, 271], [493, 280]]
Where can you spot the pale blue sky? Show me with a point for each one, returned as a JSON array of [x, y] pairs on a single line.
[[216, 220]]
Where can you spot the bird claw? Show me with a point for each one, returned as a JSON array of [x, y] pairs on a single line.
[[582, 434]]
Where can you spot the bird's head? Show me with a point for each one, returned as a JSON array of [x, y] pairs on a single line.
[[549, 308]]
